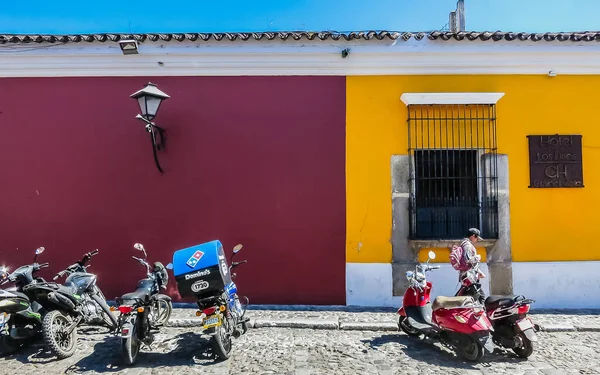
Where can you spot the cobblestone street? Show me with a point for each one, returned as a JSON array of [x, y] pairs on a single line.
[[307, 351]]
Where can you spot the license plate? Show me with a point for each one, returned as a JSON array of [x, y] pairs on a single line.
[[211, 321], [126, 330], [524, 324]]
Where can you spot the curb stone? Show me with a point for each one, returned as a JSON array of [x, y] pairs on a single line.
[[557, 328], [298, 323], [588, 328], [369, 326], [335, 324]]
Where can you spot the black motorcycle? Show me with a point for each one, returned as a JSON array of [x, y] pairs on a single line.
[[20, 318], [78, 301], [202, 272], [143, 310]]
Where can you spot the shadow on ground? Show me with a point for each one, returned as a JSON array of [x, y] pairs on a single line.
[[101, 353], [185, 349], [432, 352]]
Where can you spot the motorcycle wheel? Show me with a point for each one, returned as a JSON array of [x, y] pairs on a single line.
[[166, 308], [470, 349], [405, 326], [130, 346], [60, 343], [221, 343], [8, 345], [527, 346]]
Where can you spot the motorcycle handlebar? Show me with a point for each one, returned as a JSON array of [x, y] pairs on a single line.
[[238, 263], [60, 274], [86, 258], [43, 265]]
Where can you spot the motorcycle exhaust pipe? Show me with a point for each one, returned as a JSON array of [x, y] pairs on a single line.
[[59, 299]]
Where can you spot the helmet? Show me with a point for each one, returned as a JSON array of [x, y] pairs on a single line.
[[161, 272]]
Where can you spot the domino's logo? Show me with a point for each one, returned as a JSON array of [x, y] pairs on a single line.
[[194, 259]]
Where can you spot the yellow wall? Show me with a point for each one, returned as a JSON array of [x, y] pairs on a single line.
[[546, 224]]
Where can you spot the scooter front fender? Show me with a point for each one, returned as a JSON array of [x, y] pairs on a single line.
[[530, 334], [401, 311], [487, 343]]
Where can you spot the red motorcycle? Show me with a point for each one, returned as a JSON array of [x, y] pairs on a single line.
[[459, 323], [513, 328]]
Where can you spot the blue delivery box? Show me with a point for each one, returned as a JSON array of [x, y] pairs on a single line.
[[202, 270]]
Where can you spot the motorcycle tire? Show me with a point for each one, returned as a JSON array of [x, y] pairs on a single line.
[[405, 326], [221, 343], [108, 316], [526, 349], [130, 346], [9, 346], [470, 349], [165, 313], [61, 344]]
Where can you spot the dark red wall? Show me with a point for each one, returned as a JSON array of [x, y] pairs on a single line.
[[252, 160]]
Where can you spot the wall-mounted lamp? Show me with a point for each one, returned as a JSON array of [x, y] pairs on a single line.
[[552, 73], [149, 99], [129, 46], [345, 53]]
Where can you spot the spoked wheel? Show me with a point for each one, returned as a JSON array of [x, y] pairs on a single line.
[[130, 346], [161, 312], [221, 342], [526, 348], [54, 330], [470, 349], [407, 328]]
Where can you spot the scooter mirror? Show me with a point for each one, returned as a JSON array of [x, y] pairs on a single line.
[[170, 266], [138, 246], [431, 255], [237, 248], [39, 250], [3, 272]]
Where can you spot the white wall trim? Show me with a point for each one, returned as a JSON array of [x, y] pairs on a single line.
[[451, 98], [300, 58], [550, 284]]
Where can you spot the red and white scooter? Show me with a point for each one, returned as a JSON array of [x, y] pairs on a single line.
[[458, 322], [513, 328]]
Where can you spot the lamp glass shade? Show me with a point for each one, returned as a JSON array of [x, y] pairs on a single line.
[[149, 106], [149, 99]]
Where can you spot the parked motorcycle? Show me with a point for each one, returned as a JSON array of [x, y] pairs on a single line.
[[143, 309], [513, 328], [458, 322], [78, 301], [20, 318], [202, 271]]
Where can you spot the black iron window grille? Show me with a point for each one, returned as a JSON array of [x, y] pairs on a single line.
[[453, 171]]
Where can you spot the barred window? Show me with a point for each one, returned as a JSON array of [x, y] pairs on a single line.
[[453, 171]]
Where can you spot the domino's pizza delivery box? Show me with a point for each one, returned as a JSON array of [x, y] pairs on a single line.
[[202, 270]]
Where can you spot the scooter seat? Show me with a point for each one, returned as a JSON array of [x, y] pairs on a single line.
[[493, 302], [451, 302]]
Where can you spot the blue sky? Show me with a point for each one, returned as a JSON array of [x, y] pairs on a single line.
[[126, 16]]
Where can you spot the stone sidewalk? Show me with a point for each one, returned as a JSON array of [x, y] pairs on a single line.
[[374, 319]]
